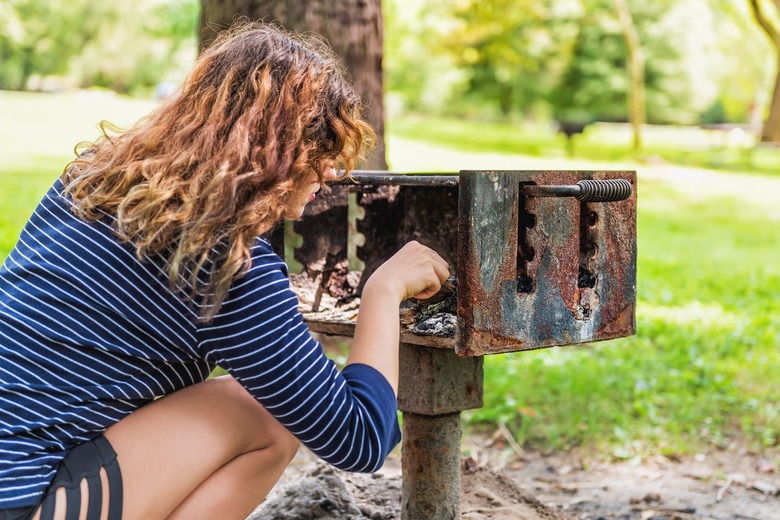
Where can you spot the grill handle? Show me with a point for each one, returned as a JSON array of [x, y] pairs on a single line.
[[587, 190]]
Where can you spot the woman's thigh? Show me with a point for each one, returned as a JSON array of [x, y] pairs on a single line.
[[169, 447]]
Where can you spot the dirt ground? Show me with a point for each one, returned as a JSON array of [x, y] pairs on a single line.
[[502, 483]]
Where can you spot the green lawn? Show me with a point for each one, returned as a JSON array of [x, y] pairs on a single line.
[[38, 133], [732, 151], [701, 370]]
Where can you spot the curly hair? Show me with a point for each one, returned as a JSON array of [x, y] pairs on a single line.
[[215, 166]]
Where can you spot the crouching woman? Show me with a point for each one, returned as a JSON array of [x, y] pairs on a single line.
[[144, 267]]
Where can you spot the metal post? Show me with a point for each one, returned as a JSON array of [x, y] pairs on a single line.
[[431, 467], [435, 386]]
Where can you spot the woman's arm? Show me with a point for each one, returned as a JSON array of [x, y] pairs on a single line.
[[348, 418], [415, 271]]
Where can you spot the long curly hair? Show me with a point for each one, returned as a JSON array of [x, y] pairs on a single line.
[[198, 180]]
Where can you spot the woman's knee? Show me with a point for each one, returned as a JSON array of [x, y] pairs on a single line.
[[286, 446]]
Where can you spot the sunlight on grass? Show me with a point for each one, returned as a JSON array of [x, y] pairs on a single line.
[[406, 155], [37, 138], [52, 124], [689, 146], [694, 313]]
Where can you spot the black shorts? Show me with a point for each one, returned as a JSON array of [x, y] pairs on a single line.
[[83, 462]]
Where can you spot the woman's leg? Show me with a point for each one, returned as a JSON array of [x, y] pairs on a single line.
[[207, 451]]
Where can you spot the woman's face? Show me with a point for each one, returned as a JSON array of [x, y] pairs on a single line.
[[306, 194]]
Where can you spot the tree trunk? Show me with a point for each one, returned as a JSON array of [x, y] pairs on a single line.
[[770, 133], [636, 72], [771, 129], [352, 27]]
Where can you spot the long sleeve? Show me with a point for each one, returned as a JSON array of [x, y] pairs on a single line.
[[348, 419]]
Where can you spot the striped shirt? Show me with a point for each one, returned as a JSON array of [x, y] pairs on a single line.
[[88, 334]]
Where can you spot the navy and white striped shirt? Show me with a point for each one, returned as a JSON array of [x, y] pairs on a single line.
[[88, 334]]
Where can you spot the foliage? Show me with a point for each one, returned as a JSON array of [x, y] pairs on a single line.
[[126, 46], [733, 56], [510, 48], [541, 58], [507, 58], [40, 36], [419, 74], [594, 85], [154, 43]]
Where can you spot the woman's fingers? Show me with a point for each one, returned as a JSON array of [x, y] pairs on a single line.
[[435, 271], [416, 270], [439, 273]]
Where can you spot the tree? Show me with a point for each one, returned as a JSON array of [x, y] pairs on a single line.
[[636, 71], [41, 36], [771, 129], [594, 86], [509, 49], [352, 27], [150, 44], [414, 28], [126, 46]]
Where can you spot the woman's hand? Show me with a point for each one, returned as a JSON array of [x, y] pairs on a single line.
[[416, 271]]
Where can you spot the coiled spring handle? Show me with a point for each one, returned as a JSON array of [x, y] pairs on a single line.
[[587, 190]]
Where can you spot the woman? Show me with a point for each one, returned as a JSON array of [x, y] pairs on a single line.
[[144, 267]]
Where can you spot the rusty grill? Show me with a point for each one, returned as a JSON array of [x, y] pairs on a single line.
[[538, 259], [534, 267]]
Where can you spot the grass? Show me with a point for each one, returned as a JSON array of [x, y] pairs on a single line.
[[37, 137], [700, 372], [50, 125], [599, 142]]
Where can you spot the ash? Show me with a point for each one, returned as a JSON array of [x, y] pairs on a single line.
[[328, 494], [440, 324], [318, 491]]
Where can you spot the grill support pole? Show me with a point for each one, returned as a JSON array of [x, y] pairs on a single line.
[[431, 467], [435, 385]]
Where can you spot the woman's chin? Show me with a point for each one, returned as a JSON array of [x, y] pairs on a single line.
[[294, 213]]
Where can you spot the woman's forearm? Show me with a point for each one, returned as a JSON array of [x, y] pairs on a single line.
[[414, 271], [377, 333]]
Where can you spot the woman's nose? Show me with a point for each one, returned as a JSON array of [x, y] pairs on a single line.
[[330, 174]]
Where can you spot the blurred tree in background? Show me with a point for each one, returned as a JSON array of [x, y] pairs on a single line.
[[769, 23], [595, 85], [636, 63], [744, 65], [126, 46], [705, 62], [510, 48], [41, 36], [570, 57], [420, 73]]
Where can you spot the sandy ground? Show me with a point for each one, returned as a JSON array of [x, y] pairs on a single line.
[[316, 491], [503, 484], [723, 485]]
